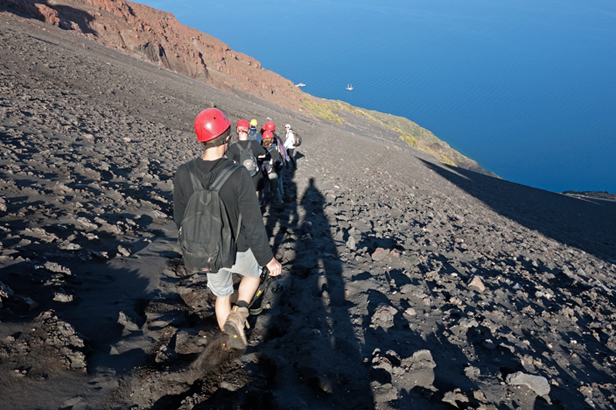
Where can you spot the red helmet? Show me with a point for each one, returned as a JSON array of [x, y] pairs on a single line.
[[269, 126], [267, 135], [243, 124], [210, 123]]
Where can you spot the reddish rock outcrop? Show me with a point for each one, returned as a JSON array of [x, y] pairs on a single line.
[[156, 36]]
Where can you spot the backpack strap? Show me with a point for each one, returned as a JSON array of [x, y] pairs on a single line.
[[223, 175], [196, 183], [220, 180]]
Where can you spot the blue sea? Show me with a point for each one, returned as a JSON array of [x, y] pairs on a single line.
[[526, 88]]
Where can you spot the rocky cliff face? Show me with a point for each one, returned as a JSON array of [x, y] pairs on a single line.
[[157, 37]]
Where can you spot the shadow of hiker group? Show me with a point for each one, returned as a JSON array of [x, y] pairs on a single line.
[[321, 355], [325, 355]]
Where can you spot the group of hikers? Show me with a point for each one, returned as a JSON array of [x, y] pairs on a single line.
[[218, 216], [265, 156]]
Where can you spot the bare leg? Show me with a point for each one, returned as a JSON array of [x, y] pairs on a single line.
[[247, 289], [222, 309]]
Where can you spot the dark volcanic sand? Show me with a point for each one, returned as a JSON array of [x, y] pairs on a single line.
[[407, 284]]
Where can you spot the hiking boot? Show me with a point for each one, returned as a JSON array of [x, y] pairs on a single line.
[[234, 327]]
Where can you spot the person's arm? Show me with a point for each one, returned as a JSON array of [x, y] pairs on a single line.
[[252, 219], [274, 267], [259, 150]]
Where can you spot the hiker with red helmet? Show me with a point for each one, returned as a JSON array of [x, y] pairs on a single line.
[[233, 190], [272, 167], [270, 126], [248, 153]]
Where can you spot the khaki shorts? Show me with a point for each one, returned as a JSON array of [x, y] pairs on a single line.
[[221, 283]]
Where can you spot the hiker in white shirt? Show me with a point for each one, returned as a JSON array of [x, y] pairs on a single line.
[[289, 144]]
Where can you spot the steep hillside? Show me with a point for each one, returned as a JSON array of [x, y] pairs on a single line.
[[157, 37], [407, 283]]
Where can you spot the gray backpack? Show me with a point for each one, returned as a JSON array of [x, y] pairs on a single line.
[[297, 141], [205, 235], [247, 158]]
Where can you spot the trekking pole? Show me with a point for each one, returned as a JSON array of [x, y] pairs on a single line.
[[264, 274], [265, 281]]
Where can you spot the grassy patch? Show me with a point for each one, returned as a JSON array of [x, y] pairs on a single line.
[[409, 139], [415, 136], [323, 110]]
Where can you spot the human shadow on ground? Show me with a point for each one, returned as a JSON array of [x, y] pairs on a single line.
[[589, 225], [310, 345], [298, 155]]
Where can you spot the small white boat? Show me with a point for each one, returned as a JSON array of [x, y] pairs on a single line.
[[349, 87], [300, 85]]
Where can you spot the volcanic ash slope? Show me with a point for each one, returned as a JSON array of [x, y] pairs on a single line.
[[406, 284]]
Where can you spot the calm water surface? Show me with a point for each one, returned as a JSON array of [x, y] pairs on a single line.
[[525, 88]]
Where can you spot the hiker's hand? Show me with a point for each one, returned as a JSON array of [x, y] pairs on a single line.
[[274, 267]]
